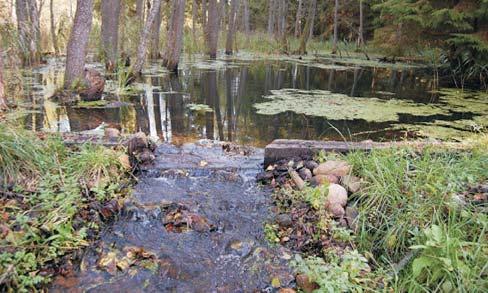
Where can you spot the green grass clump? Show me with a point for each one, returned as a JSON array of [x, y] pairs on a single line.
[[47, 196], [407, 203]]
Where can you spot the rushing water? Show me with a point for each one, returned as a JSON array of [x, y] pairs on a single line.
[[171, 107]]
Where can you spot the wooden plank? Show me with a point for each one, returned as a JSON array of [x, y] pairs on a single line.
[[289, 148]]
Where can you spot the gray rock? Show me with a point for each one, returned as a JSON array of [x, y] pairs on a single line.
[[352, 216], [305, 174], [284, 220], [311, 165]]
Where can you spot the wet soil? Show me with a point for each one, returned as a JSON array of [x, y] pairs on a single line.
[[194, 224]]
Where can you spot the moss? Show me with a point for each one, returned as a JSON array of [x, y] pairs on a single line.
[[92, 104]]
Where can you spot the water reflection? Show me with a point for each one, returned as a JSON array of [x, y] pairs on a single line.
[[161, 111]]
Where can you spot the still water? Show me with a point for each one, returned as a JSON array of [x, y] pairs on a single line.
[[216, 100]]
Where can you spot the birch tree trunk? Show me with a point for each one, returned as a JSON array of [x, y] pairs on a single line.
[[212, 28], [110, 31], [361, 25], [336, 25], [78, 43], [174, 40], [231, 27], [298, 20], [54, 38], [144, 39], [156, 33]]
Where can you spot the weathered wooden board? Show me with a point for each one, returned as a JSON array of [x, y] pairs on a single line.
[[288, 148]]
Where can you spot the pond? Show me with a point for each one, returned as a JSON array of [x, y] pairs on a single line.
[[252, 101]]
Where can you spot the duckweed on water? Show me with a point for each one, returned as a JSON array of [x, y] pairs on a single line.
[[199, 108], [335, 106]]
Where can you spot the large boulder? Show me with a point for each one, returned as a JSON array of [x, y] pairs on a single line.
[[94, 85], [336, 168], [336, 200]]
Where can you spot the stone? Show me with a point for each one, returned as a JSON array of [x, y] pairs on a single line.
[[286, 290], [304, 283], [337, 196], [284, 220], [336, 168], [299, 183], [305, 174], [352, 183], [124, 161], [352, 216], [111, 133], [95, 83], [311, 165], [323, 179], [337, 211]]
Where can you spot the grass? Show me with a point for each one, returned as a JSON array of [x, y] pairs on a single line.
[[52, 203], [414, 233]]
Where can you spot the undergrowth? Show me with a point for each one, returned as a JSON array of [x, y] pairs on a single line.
[[52, 202]]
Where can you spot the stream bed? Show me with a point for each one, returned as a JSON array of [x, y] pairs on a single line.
[[194, 224]]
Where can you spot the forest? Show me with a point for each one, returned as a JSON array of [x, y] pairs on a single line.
[[244, 145]]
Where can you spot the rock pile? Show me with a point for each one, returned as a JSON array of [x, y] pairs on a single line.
[[336, 174]]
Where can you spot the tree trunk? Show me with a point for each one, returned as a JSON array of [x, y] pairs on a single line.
[[361, 25], [231, 27], [271, 16], [53, 28], [144, 39], [140, 10], [336, 25], [78, 43], [3, 103], [298, 20], [194, 17], [247, 26], [212, 29], [312, 18], [23, 29], [156, 33], [35, 28], [174, 40], [305, 33], [204, 15], [110, 32]]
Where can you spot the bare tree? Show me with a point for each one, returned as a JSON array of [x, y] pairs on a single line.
[[305, 33], [29, 30], [3, 103], [140, 10], [360, 42], [212, 28], [144, 39], [271, 16], [35, 28], [298, 20], [336, 25], [156, 33], [245, 17], [110, 31], [312, 14], [23, 30], [54, 38], [204, 14], [194, 16], [174, 40], [78, 42], [231, 30]]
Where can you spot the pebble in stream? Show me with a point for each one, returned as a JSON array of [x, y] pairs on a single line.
[[200, 212]]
